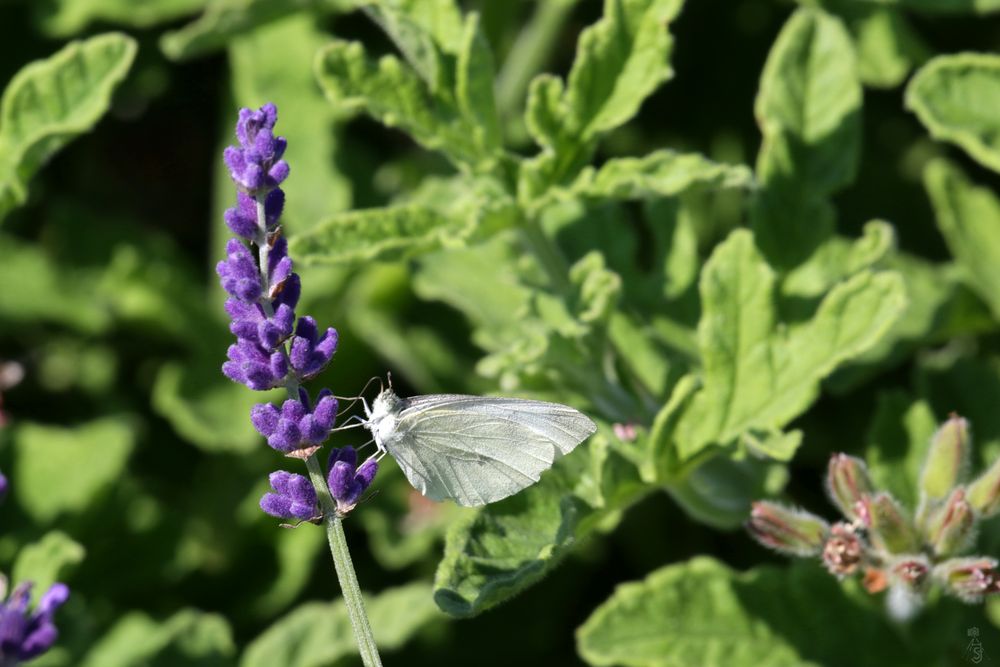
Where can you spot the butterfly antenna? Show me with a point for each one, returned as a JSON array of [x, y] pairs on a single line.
[[355, 399]]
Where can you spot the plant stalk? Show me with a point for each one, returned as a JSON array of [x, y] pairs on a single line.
[[349, 588]]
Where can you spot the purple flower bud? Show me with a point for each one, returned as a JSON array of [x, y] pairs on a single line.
[[346, 481], [294, 497], [847, 482], [256, 165], [310, 352], [251, 365], [25, 635], [295, 426], [4, 486], [787, 530], [239, 273]]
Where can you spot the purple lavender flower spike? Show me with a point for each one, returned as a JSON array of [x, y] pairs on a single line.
[[239, 273], [25, 635], [242, 219], [310, 352], [294, 497], [346, 481]]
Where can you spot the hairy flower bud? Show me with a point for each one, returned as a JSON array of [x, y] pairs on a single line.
[[787, 530], [889, 527], [911, 571], [984, 493], [969, 579], [950, 527], [347, 480], [843, 551], [947, 459], [847, 482]]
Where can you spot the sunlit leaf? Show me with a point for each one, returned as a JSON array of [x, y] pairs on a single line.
[[189, 637], [47, 561]]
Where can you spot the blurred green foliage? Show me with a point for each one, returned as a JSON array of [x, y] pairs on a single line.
[[552, 199]]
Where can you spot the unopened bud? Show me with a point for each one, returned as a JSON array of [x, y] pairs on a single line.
[[843, 551], [984, 493], [969, 579], [911, 570], [847, 482], [791, 531], [889, 528], [950, 528], [947, 459]]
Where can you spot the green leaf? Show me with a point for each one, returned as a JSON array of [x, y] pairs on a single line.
[[47, 561], [682, 615], [839, 258], [273, 64], [662, 173], [955, 97], [319, 634], [757, 375], [51, 101], [296, 552], [377, 233], [206, 408], [968, 217], [54, 293], [452, 111], [620, 61], [189, 637], [510, 545], [225, 20], [62, 18], [898, 440], [702, 613], [808, 109], [888, 47], [64, 470]]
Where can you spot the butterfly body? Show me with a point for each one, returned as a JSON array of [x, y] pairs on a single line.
[[473, 449]]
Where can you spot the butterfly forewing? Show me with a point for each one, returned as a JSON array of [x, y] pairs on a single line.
[[477, 450]]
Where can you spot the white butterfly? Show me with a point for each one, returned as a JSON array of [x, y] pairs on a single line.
[[473, 449]]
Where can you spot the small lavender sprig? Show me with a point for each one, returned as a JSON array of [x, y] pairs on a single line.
[[274, 349], [25, 633], [891, 547]]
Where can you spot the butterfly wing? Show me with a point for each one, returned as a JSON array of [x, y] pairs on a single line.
[[476, 450]]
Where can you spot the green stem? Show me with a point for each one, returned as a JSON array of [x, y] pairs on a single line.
[[529, 52], [349, 588]]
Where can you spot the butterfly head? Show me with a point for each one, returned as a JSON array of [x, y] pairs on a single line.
[[382, 418]]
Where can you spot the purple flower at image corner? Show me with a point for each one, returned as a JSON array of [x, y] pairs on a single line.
[[4, 486], [24, 633], [293, 497], [346, 479]]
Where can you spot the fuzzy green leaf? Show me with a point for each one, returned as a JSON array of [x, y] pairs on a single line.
[[969, 218], [888, 46], [758, 375], [956, 98], [808, 109], [620, 61], [225, 20], [703, 613], [189, 637], [63, 470], [319, 634], [510, 545], [662, 173], [453, 112], [51, 101], [47, 561], [62, 18]]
